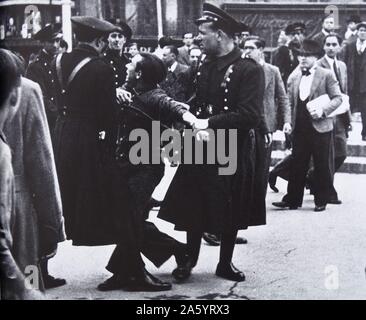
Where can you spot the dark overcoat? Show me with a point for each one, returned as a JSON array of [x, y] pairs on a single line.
[[84, 160], [201, 199], [118, 63], [41, 72]]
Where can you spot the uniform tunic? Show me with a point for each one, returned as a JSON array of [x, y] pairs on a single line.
[[229, 94], [118, 63], [42, 72], [84, 161]]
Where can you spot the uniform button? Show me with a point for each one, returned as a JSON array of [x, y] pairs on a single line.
[[228, 80], [64, 113], [63, 91], [225, 100], [52, 98], [45, 64], [226, 90], [116, 83], [116, 76], [114, 68], [198, 73], [111, 62], [50, 72], [226, 108]]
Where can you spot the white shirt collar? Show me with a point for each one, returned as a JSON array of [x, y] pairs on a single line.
[[173, 66], [331, 61], [325, 32], [360, 45]]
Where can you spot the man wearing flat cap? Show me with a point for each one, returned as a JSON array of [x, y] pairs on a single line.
[[312, 128], [114, 55], [228, 96], [354, 55], [284, 57], [41, 70]]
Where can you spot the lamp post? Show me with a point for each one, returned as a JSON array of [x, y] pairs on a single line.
[[66, 22]]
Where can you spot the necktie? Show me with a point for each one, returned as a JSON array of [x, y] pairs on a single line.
[[335, 70], [305, 72]]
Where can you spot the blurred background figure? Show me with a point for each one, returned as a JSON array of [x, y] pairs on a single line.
[[175, 83], [183, 56], [163, 41], [133, 49], [328, 26], [351, 33], [244, 31], [354, 55], [285, 56]]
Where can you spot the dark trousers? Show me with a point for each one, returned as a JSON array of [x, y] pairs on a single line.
[[306, 144], [226, 246], [143, 237]]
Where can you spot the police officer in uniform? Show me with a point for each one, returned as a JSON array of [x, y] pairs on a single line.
[[228, 96], [114, 55], [41, 70]]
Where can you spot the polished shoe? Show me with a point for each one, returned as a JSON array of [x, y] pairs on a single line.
[[334, 201], [183, 271], [52, 282], [211, 239], [319, 208], [113, 283], [272, 182], [241, 240], [229, 272], [284, 205], [146, 282]]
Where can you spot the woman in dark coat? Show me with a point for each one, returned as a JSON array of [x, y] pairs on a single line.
[[147, 103]]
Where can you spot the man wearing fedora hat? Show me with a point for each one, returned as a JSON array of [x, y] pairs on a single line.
[[312, 129], [229, 88], [114, 55], [41, 70], [354, 55]]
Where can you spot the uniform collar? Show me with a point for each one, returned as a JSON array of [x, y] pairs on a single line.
[[87, 48], [44, 55], [230, 58]]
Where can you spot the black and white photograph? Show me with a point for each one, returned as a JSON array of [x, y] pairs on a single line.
[[182, 150]]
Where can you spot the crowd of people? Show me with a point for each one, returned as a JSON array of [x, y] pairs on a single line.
[[66, 120]]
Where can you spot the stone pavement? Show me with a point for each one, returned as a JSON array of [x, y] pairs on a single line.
[[297, 255]]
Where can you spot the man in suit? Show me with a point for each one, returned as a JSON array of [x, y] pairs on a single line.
[[277, 112], [332, 45], [183, 56], [312, 130], [175, 84], [41, 70], [355, 58], [327, 28]]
